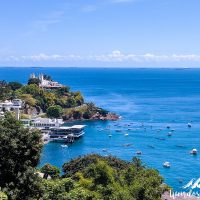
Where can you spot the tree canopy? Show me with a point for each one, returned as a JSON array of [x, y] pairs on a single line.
[[94, 177], [54, 111], [20, 150]]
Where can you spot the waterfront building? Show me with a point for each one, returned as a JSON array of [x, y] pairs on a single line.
[[42, 123]]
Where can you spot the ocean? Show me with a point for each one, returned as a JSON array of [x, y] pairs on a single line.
[[148, 100]]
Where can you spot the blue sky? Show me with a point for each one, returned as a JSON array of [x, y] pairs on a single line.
[[100, 33]]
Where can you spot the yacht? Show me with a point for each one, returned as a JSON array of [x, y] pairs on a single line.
[[169, 134], [139, 153], [194, 152], [189, 125], [166, 164]]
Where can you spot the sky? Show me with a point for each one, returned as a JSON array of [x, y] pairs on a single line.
[[100, 33]]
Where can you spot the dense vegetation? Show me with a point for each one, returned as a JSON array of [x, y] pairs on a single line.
[[20, 150], [105, 178], [60, 102], [91, 177]]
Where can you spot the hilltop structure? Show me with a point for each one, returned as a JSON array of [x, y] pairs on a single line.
[[44, 83], [15, 105]]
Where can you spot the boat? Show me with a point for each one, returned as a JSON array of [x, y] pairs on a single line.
[[64, 146], [166, 164], [180, 146], [194, 151], [189, 125], [126, 134], [160, 138], [66, 133], [59, 139], [151, 146], [169, 134], [138, 152], [110, 135], [127, 145]]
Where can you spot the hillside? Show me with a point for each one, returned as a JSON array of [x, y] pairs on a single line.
[[52, 100]]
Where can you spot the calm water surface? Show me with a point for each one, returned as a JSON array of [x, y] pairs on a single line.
[[155, 98]]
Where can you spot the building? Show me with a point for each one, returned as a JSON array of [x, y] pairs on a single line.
[[48, 84], [15, 105], [42, 123]]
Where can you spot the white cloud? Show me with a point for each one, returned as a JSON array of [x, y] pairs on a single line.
[[115, 57]]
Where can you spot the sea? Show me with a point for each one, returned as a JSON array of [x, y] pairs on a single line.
[[151, 103]]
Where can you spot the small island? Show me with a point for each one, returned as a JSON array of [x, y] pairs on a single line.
[[43, 97]]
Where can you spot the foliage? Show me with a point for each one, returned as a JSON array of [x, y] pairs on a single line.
[[3, 196], [20, 150], [47, 77], [40, 99], [105, 178], [28, 99], [54, 111], [50, 170], [80, 163], [14, 85], [35, 81]]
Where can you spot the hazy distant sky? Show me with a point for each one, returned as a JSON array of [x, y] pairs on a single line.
[[100, 33]]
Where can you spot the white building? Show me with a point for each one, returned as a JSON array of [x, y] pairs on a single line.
[[15, 104], [46, 83], [42, 123]]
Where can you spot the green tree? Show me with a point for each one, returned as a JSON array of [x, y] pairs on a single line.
[[54, 111], [14, 85], [20, 150], [78, 98], [50, 170], [47, 77], [28, 99], [3, 196], [33, 81]]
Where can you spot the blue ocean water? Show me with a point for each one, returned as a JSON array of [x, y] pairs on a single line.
[[154, 98]]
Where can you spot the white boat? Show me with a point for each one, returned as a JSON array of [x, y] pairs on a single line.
[[189, 125], [64, 146], [126, 134], [194, 151], [169, 134], [166, 164]]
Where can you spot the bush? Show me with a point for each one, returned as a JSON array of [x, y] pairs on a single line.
[[33, 81], [50, 170], [54, 111]]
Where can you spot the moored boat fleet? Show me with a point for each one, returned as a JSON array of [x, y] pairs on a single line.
[[121, 128]]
